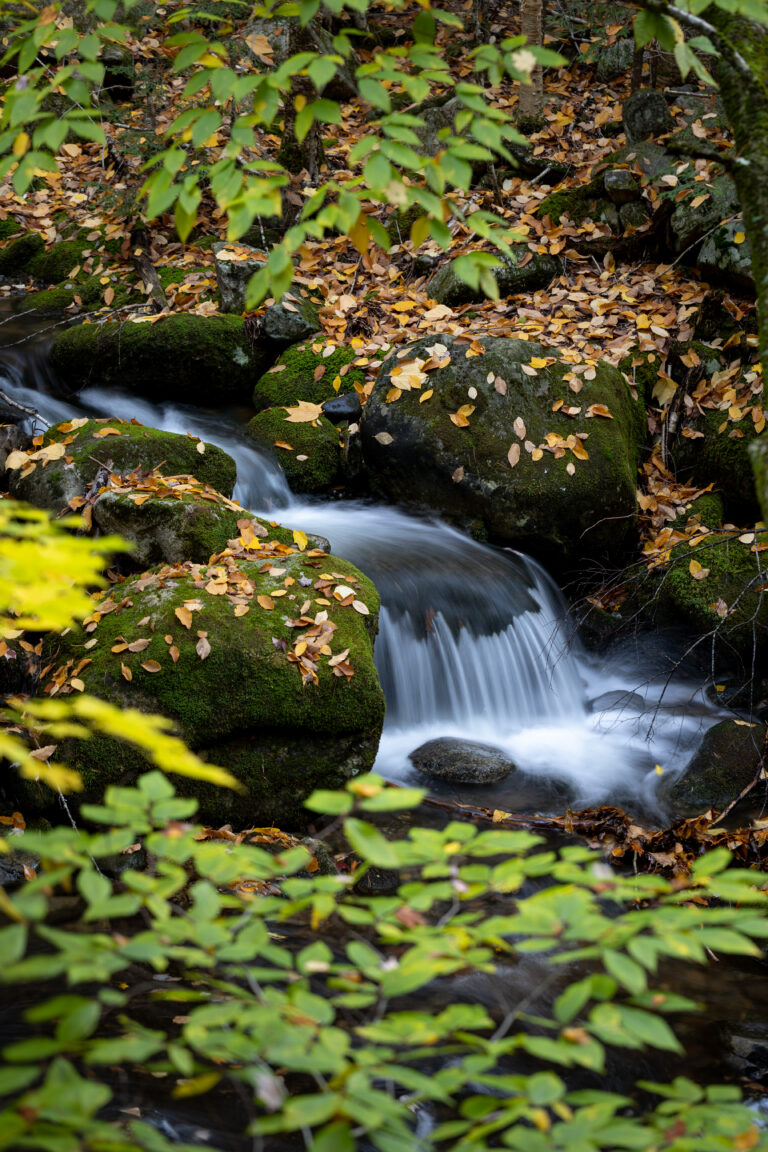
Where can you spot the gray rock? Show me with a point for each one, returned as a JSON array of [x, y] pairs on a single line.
[[344, 409], [687, 226], [620, 185], [727, 760], [633, 215], [722, 260], [614, 60], [235, 265], [290, 321], [522, 271], [461, 761], [645, 114]]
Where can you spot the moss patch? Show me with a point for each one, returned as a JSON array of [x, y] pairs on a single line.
[[292, 378], [50, 299], [314, 463], [17, 256], [54, 266]]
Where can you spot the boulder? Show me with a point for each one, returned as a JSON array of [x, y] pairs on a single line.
[[614, 60], [621, 186], [248, 680], [314, 372], [461, 761], [521, 271], [290, 321], [16, 256], [235, 264], [63, 468], [205, 360], [726, 257], [645, 114], [688, 225], [346, 409], [309, 452], [727, 760], [476, 439]]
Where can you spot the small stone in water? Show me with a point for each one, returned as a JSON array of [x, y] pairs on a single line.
[[462, 761]]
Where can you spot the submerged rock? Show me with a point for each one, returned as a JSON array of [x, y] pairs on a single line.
[[206, 360], [214, 648], [83, 448], [728, 759], [461, 761], [493, 438]]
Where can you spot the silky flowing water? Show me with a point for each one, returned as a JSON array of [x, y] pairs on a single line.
[[474, 642]]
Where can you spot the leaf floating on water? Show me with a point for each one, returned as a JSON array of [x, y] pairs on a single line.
[[151, 666], [519, 428], [513, 455], [266, 602], [458, 475], [384, 438]]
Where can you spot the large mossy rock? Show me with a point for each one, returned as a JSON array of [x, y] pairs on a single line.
[[645, 114], [557, 495], [85, 449], [206, 360], [520, 271], [308, 371], [232, 681], [726, 762], [310, 452], [16, 256], [726, 257]]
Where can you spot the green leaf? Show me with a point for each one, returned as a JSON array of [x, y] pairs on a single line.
[[329, 803], [370, 845], [626, 971]]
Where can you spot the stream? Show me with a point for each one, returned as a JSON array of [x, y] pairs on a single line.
[[475, 642]]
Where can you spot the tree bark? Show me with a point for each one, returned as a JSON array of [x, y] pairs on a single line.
[[531, 102]]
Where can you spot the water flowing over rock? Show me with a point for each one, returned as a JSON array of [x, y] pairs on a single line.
[[490, 439]]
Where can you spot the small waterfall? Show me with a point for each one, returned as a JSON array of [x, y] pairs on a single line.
[[474, 641]]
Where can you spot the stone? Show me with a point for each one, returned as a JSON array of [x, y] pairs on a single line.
[[53, 484], [633, 215], [345, 409], [290, 321], [614, 60], [206, 360], [16, 256], [308, 371], [237, 700], [645, 114], [726, 258], [312, 460], [621, 186], [727, 760], [689, 226], [461, 761], [521, 271], [559, 508], [235, 264]]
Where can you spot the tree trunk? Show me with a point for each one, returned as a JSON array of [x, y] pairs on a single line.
[[531, 103], [745, 97], [307, 154]]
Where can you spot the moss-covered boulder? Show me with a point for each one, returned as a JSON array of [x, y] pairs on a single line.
[[727, 761], [63, 464], [504, 433], [197, 359], [521, 271], [308, 371], [49, 299], [59, 261], [263, 661], [309, 452], [17, 255], [726, 257]]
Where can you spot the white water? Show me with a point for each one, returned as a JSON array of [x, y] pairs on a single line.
[[474, 642]]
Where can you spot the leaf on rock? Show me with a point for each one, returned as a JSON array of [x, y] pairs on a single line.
[[152, 666], [127, 674], [303, 413], [598, 410], [513, 455], [184, 616], [266, 602], [203, 648], [519, 428]]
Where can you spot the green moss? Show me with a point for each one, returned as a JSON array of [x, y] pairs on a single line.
[[50, 299], [575, 203], [169, 274], [54, 266], [16, 256], [92, 293], [292, 378], [244, 706], [196, 359], [9, 227], [315, 462], [722, 458]]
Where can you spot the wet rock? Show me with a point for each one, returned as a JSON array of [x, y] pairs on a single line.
[[235, 265], [12, 438], [558, 505], [621, 186], [238, 700], [206, 360], [728, 759], [726, 257], [461, 761], [87, 452], [617, 700], [344, 409], [645, 114], [309, 452], [521, 271]]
